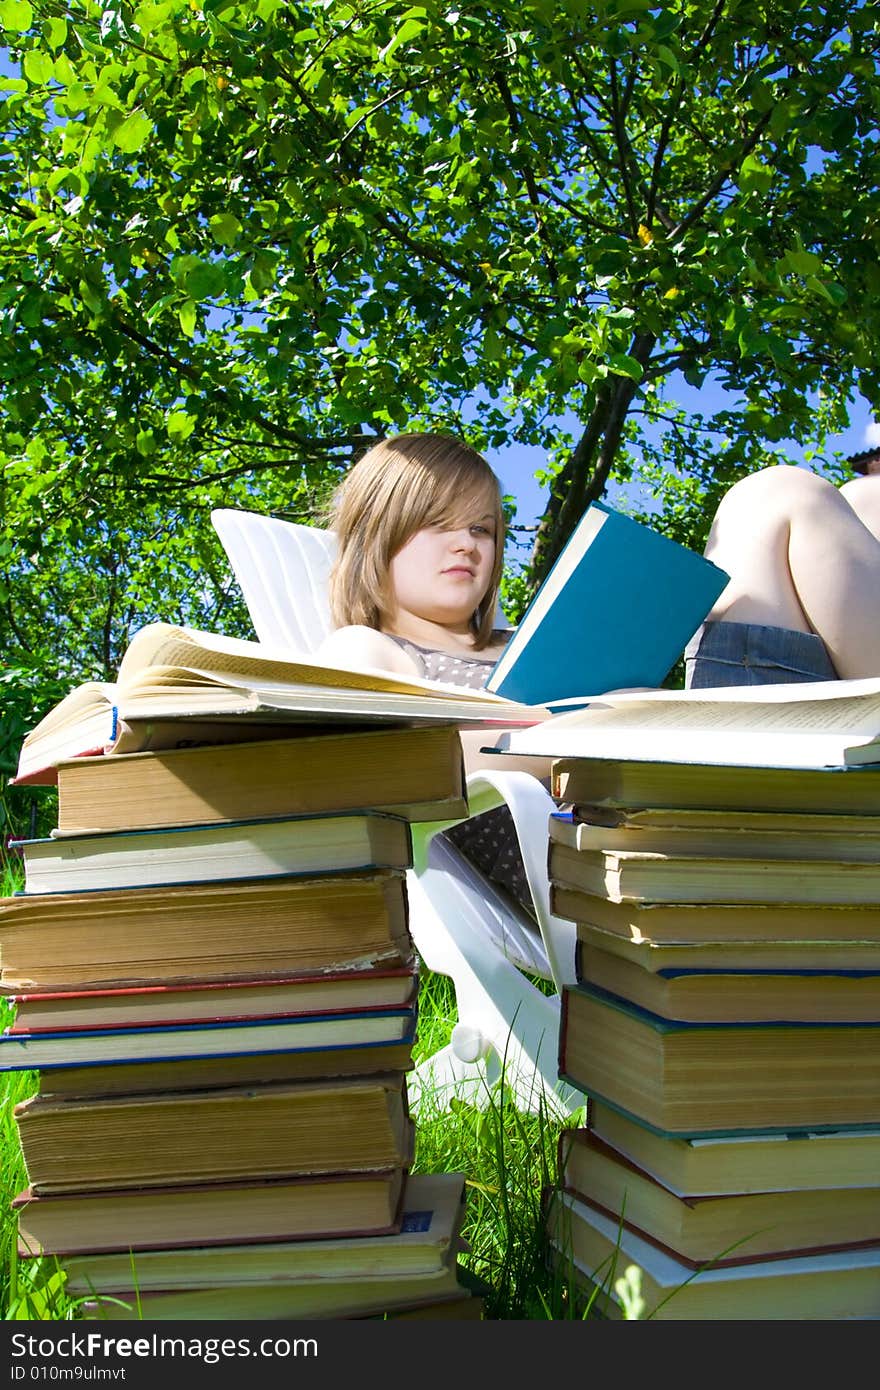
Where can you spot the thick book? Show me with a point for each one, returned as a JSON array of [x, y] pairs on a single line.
[[666, 878], [203, 853], [219, 1073], [428, 1237], [172, 677], [144, 1006], [707, 924], [655, 785], [747, 995], [73, 1144], [330, 1299], [792, 1160], [713, 1078], [356, 1028], [414, 773], [596, 1250], [617, 609], [737, 962], [726, 1229], [210, 1213], [203, 932], [721, 834], [814, 725]]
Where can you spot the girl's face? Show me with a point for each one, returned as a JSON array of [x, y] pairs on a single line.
[[441, 575]]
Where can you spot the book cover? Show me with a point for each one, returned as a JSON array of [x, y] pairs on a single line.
[[416, 773], [232, 850], [617, 609], [224, 1038], [691, 1079], [709, 924], [182, 1002], [724, 835], [330, 1299], [349, 1124], [205, 931], [702, 787], [771, 957], [665, 878], [746, 995], [789, 1160], [428, 1236], [219, 1073], [837, 1285], [726, 1229], [210, 1213]]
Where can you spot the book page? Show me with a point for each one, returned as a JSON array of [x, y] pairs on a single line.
[[819, 706], [216, 656]]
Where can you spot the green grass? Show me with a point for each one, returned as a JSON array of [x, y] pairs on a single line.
[[508, 1158]]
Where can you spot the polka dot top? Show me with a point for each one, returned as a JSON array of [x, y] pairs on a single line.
[[469, 671]]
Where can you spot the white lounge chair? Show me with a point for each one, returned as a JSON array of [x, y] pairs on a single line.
[[461, 925]]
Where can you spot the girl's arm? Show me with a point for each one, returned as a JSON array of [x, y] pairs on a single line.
[[356, 647], [472, 740]]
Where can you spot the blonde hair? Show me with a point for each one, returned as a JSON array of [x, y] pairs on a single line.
[[397, 488]]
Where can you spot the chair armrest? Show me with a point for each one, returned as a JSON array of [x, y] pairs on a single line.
[[530, 805]]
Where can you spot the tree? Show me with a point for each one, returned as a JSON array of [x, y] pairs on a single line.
[[242, 241]]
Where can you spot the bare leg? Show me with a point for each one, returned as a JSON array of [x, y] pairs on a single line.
[[799, 556], [863, 495]]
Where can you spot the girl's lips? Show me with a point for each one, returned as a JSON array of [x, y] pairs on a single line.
[[459, 569]]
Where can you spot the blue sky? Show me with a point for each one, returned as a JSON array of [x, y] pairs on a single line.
[[516, 464]]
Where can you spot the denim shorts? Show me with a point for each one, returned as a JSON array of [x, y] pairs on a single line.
[[723, 653]]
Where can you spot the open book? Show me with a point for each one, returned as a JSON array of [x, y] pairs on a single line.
[[814, 724], [616, 610], [177, 686]]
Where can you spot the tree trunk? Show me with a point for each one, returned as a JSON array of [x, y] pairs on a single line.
[[584, 476]]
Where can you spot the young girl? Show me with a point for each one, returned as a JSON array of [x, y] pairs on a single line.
[[421, 540], [414, 589]]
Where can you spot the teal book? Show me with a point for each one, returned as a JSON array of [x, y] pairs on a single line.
[[616, 610]]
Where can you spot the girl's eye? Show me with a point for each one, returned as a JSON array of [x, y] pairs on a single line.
[[481, 530]]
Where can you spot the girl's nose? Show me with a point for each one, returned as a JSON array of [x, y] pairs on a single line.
[[462, 539]]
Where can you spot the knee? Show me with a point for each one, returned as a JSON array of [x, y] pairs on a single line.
[[863, 496], [780, 492]]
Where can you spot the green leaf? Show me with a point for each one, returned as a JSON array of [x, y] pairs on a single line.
[[408, 30], [16, 15], [803, 262], [179, 426], [151, 17], [225, 228], [38, 67], [186, 315], [56, 32], [754, 176], [621, 364], [91, 297], [133, 133], [205, 280]]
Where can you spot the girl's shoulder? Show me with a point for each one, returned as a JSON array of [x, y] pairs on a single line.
[[357, 645]]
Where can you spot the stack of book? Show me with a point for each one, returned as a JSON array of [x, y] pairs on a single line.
[[214, 980], [725, 1026]]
